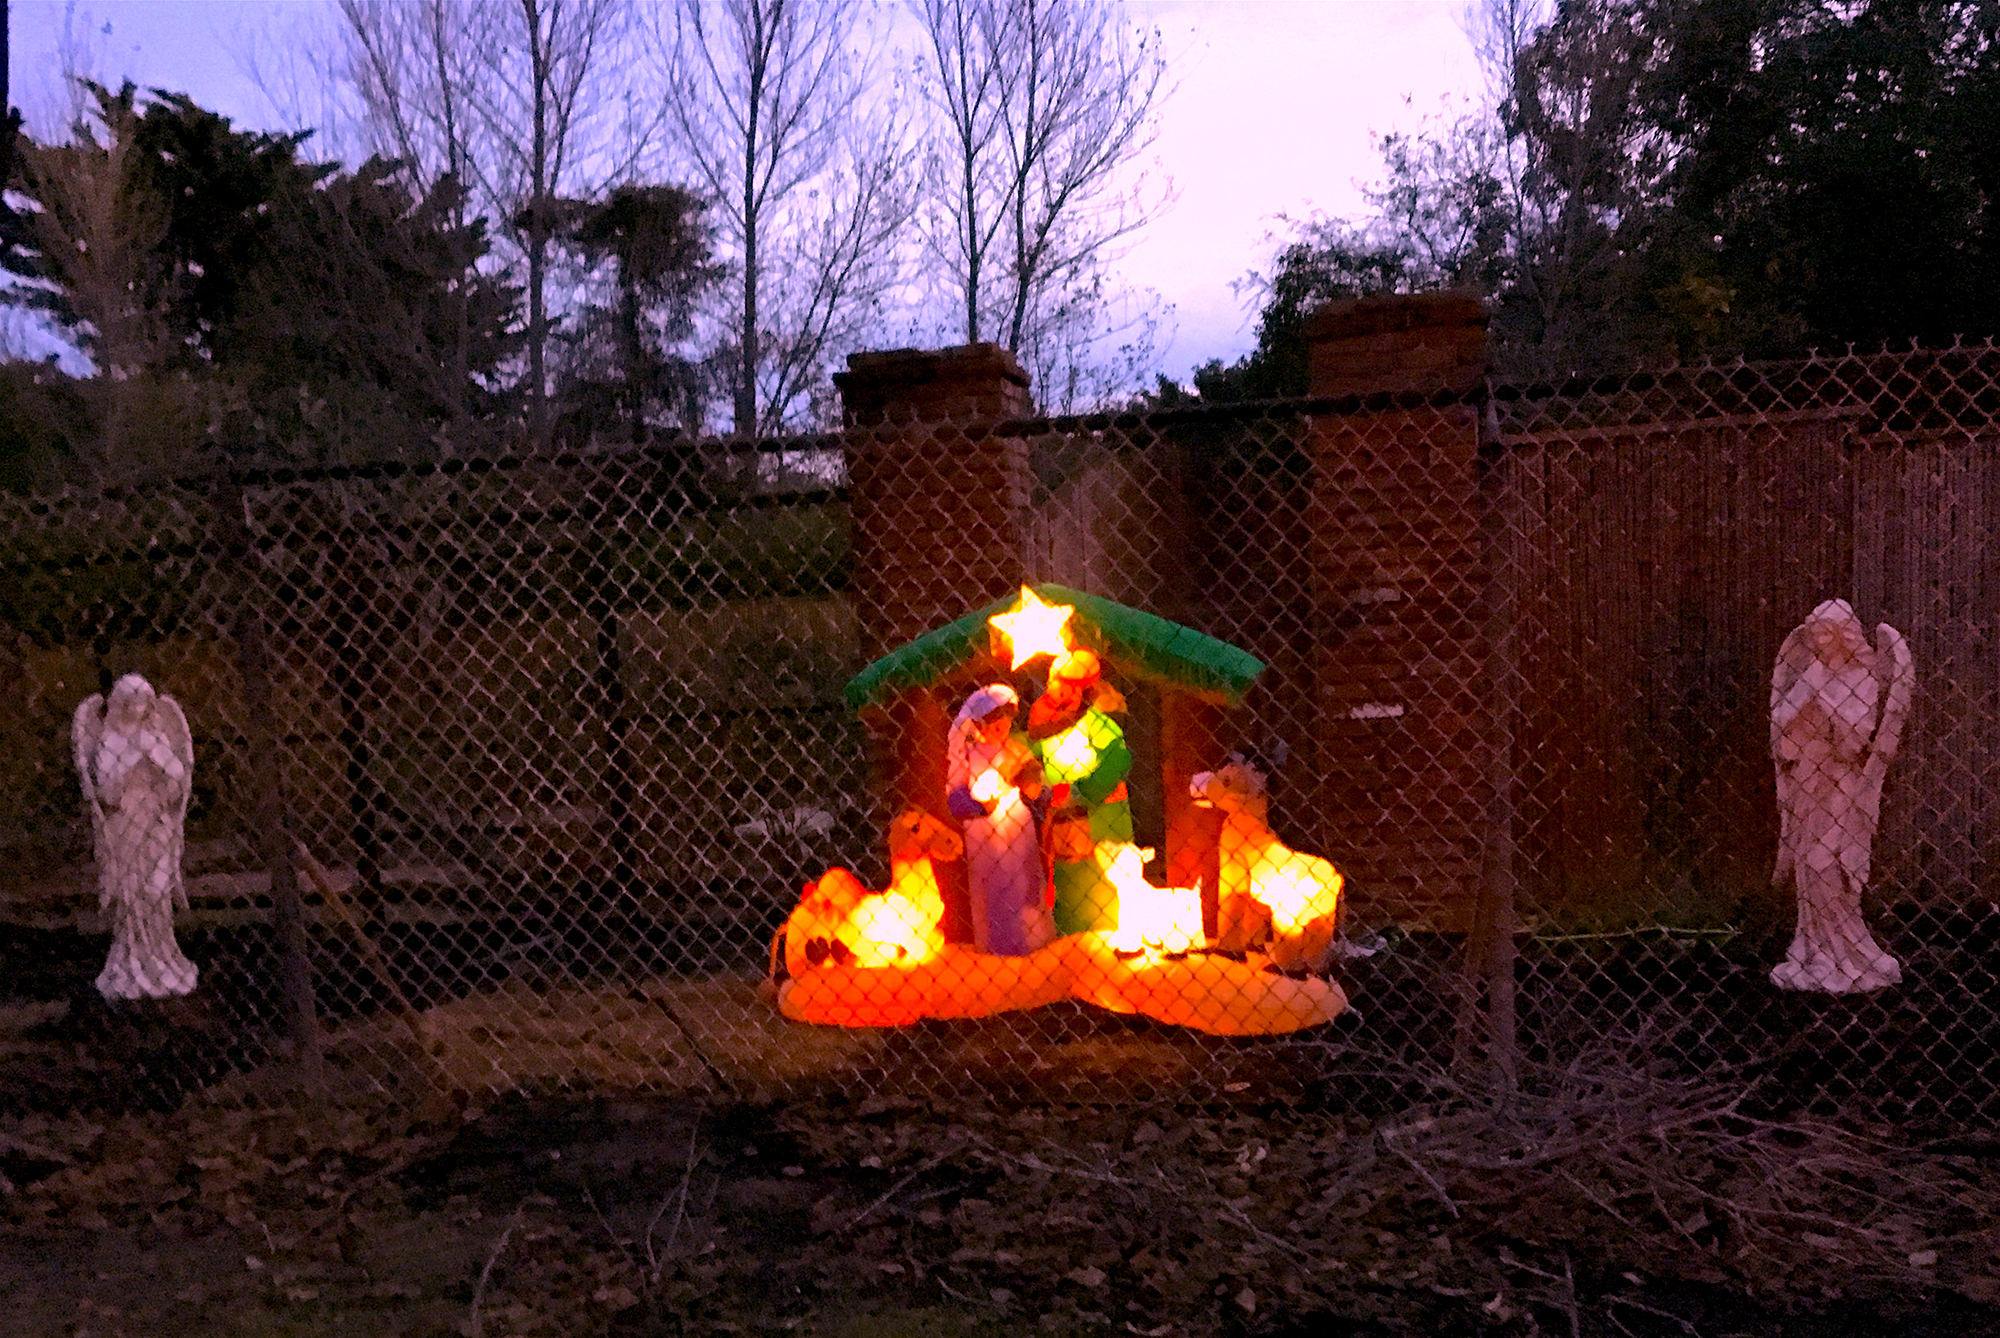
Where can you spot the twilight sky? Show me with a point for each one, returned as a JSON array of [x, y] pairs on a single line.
[[1273, 114]]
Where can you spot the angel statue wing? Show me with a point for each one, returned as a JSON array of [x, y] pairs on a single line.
[[172, 726], [86, 731], [1895, 673], [1793, 658]]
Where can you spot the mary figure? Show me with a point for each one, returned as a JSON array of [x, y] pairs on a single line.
[[990, 777]]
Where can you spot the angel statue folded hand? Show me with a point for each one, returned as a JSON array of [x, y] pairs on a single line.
[[1837, 711], [136, 760]]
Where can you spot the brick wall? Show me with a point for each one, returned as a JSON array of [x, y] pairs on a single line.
[[939, 501]]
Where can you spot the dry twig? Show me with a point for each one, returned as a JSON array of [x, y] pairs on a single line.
[[888, 1194], [486, 1273], [655, 1263]]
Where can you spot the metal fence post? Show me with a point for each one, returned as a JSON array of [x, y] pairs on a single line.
[[602, 613], [274, 834], [1492, 953]]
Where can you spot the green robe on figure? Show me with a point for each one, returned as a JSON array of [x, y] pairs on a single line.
[[1089, 753]]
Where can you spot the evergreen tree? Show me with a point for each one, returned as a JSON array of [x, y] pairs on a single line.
[[214, 273]]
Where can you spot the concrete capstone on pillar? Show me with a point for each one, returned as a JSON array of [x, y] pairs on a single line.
[[971, 382], [1394, 342]]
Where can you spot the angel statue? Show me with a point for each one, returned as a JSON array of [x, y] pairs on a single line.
[[136, 760], [1837, 711]]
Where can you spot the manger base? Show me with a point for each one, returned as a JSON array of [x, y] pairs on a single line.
[[1201, 991]]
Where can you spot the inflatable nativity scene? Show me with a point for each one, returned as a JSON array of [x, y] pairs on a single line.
[[1015, 880]]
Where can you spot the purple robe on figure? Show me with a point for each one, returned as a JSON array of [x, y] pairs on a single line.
[[1003, 853]]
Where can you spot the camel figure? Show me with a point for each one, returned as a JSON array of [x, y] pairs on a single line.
[[842, 923], [1272, 898]]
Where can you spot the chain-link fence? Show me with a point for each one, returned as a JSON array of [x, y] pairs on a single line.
[[511, 773]]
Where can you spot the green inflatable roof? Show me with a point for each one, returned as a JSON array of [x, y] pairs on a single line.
[[1139, 643]]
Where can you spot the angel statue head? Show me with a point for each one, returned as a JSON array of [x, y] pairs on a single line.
[[130, 702], [1837, 637]]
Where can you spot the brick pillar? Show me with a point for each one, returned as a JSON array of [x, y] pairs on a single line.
[[938, 499], [1399, 589], [938, 496], [967, 383]]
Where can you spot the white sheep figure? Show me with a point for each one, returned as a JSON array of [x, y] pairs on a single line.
[[135, 757], [1267, 888]]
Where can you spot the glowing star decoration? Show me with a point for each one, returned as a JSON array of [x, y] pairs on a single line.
[[1034, 627]]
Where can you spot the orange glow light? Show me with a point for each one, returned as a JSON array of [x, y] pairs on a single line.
[[1150, 919], [1034, 627]]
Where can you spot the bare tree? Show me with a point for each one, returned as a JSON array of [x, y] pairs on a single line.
[[413, 70], [770, 115], [967, 182], [1567, 156], [543, 113], [518, 99], [1045, 104], [57, 101]]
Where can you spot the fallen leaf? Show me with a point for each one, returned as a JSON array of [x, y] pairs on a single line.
[[1246, 1300], [1087, 1276], [1922, 1258], [1001, 1295], [1236, 1087], [617, 1298], [793, 1171]]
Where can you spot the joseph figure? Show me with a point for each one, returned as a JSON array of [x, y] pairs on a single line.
[[1084, 756]]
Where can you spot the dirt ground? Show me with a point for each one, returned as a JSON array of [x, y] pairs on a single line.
[[1104, 1176], [1608, 1203]]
